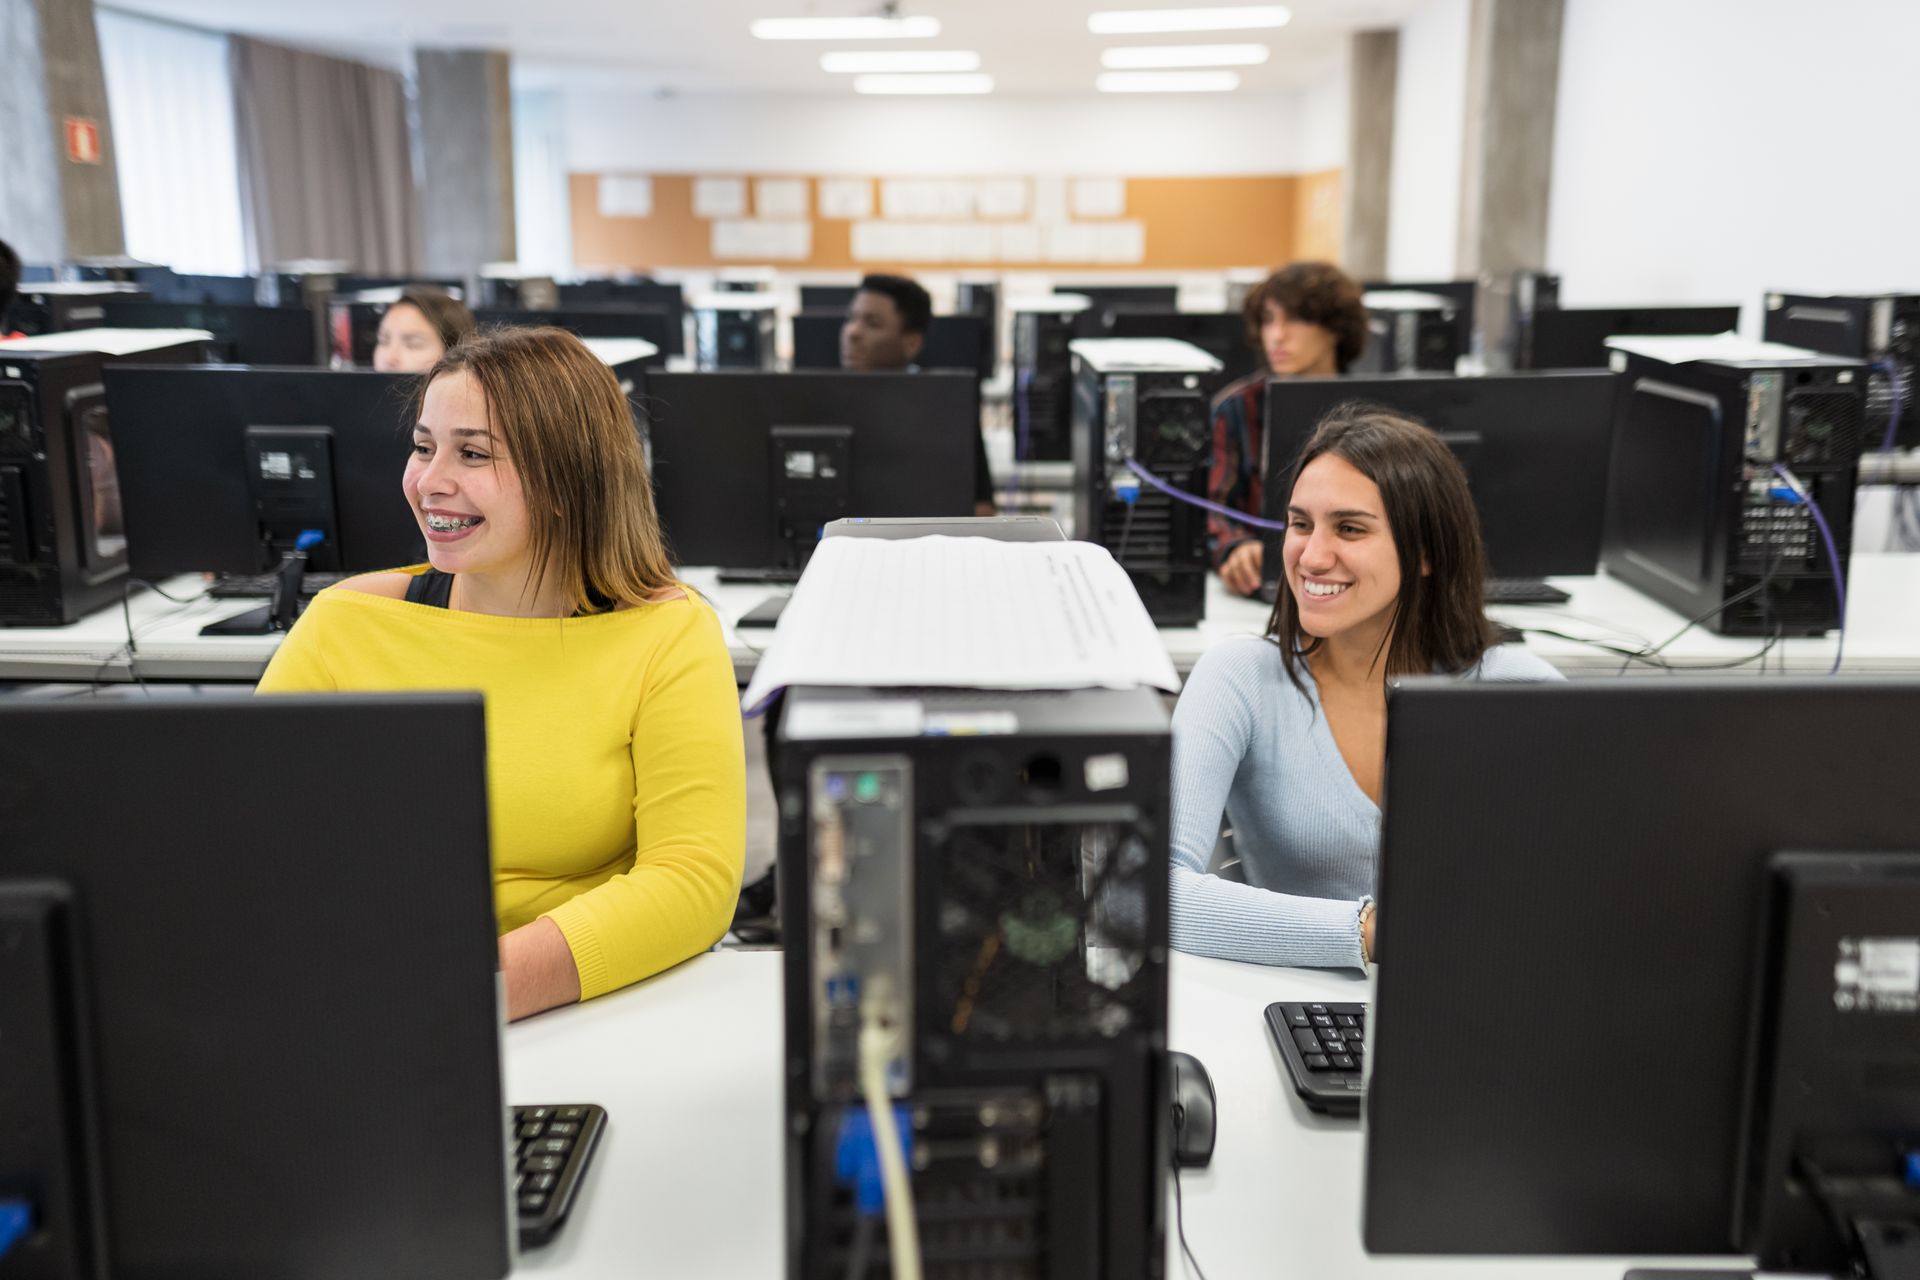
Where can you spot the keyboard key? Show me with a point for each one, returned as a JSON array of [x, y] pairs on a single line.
[[532, 1201], [1308, 1042], [1343, 1062], [1297, 1017], [1317, 1062], [549, 1147], [542, 1181], [1345, 1020], [1322, 1020], [1316, 1008], [1356, 1034], [546, 1164], [530, 1114], [529, 1131], [575, 1114], [561, 1129]]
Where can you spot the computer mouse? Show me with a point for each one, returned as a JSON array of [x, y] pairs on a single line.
[[1193, 1111]]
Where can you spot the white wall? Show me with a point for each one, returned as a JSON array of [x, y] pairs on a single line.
[[1138, 136], [1712, 150], [1323, 125], [1429, 122]]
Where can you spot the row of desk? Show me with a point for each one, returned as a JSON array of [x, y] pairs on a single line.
[[1883, 632]]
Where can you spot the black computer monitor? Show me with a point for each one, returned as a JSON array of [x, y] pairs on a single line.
[[59, 308], [669, 298], [827, 297], [951, 342], [363, 284], [221, 469], [1535, 447], [1221, 334], [1461, 293], [748, 466], [816, 339], [170, 286], [650, 324], [1092, 323], [1576, 337], [248, 988], [242, 333], [1648, 958]]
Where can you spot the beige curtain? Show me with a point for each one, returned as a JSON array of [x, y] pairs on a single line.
[[326, 169]]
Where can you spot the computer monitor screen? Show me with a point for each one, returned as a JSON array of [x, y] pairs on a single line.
[[1595, 948], [895, 444], [827, 297], [1092, 323], [1837, 326], [669, 298], [362, 284], [242, 333], [248, 991], [1221, 334], [1576, 337], [168, 286], [221, 468], [816, 339], [1535, 447], [648, 323]]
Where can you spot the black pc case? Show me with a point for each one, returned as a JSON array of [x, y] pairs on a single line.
[[63, 545], [1042, 383], [57, 307], [1883, 329], [1153, 410], [998, 862], [1409, 330], [1696, 515]]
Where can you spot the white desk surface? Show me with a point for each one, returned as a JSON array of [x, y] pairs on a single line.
[[688, 1180], [1883, 636]]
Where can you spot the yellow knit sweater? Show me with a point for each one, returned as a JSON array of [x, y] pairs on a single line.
[[616, 775]]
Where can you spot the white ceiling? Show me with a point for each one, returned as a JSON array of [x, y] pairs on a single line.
[[702, 46]]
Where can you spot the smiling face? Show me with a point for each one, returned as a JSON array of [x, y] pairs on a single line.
[[1294, 346], [408, 342], [1340, 560], [465, 494]]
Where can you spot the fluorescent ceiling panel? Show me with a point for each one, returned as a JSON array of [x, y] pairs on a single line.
[[1246, 17]]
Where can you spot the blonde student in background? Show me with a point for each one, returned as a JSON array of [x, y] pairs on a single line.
[[615, 766]]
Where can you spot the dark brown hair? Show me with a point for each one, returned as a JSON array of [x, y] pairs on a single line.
[[560, 416], [1439, 617], [447, 314], [1319, 293]]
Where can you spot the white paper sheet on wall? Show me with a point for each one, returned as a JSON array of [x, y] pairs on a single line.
[[1049, 199], [623, 197], [780, 197], [1097, 198], [1001, 198], [1071, 242], [1123, 241], [762, 239], [1019, 242], [926, 198], [720, 197], [846, 197]]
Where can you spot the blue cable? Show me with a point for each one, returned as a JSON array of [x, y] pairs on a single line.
[[1800, 494], [309, 539], [1181, 495], [16, 1219]]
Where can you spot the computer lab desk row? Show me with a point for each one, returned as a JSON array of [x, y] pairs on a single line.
[[688, 1180], [1603, 618]]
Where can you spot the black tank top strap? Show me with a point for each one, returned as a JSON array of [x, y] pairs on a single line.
[[432, 588]]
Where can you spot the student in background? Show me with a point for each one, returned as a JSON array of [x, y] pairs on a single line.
[[9, 287], [885, 329], [615, 768], [420, 328], [1286, 733], [1307, 320]]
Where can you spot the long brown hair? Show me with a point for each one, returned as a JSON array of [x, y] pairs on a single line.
[[447, 314], [1440, 616], [558, 411]]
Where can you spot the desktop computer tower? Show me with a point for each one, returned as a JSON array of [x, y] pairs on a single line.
[[60, 307], [1882, 329], [1697, 516], [1532, 291], [1042, 384], [515, 292], [982, 298], [310, 285], [734, 330], [1408, 331], [63, 545], [987, 872], [1146, 400]]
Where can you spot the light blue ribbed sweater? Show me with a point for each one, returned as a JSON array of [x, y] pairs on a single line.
[[1247, 742]]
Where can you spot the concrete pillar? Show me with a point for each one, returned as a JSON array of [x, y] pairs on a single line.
[[466, 150], [53, 207], [1373, 72], [1513, 79]]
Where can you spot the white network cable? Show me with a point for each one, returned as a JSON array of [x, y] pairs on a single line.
[[877, 1043]]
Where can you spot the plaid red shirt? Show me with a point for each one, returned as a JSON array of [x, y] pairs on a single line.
[[1239, 416]]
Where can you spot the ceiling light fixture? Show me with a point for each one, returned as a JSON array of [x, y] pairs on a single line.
[[923, 84], [902, 60], [1185, 55], [1130, 22], [881, 28], [1167, 82]]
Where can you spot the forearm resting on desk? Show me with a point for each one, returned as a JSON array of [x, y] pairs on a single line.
[[539, 969]]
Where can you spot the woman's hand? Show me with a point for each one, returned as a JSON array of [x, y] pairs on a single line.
[[1241, 569]]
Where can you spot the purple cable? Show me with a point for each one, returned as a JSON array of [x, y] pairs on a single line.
[[1182, 495], [1833, 557], [1893, 389]]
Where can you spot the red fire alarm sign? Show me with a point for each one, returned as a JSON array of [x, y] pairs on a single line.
[[83, 140]]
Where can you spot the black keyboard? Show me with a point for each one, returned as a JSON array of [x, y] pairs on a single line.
[[1524, 591], [1324, 1047], [552, 1147], [771, 576], [234, 586]]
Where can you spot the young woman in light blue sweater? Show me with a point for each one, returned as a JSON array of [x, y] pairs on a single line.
[[1286, 733]]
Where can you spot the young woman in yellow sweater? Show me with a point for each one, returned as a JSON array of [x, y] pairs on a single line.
[[616, 773]]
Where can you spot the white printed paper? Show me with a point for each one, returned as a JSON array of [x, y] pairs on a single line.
[[626, 197], [1124, 241], [848, 198], [926, 198], [780, 197], [1019, 242], [762, 240], [1072, 242], [720, 197], [1049, 199], [963, 613], [1097, 198], [1001, 198]]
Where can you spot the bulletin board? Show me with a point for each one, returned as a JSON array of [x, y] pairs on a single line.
[[826, 223]]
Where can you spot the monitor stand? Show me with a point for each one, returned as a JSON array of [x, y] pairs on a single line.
[[275, 617]]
